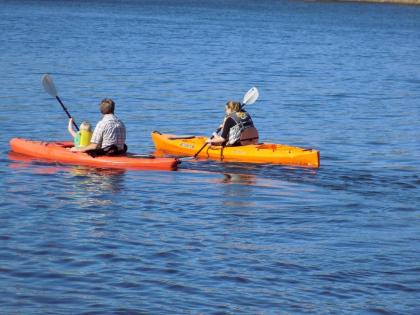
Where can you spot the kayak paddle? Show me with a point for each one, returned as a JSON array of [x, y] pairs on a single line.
[[49, 86], [249, 98]]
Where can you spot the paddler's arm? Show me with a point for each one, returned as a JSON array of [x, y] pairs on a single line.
[[216, 139], [70, 128], [91, 146], [219, 139]]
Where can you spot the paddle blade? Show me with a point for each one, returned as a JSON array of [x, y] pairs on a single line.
[[251, 96], [48, 84]]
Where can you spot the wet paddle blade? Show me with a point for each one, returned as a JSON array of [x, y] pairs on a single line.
[[251, 96], [48, 84]]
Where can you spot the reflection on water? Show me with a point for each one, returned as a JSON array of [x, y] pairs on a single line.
[[244, 179], [238, 192], [20, 161], [86, 180], [98, 180]]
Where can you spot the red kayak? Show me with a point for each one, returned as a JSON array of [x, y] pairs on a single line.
[[58, 151]]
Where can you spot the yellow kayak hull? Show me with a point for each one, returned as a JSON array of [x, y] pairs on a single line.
[[255, 153]]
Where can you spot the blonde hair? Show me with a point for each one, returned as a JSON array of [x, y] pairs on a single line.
[[233, 106], [85, 125]]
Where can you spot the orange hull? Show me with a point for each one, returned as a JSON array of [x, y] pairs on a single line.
[[259, 153], [58, 152]]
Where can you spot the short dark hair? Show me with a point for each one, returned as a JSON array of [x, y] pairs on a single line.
[[107, 106]]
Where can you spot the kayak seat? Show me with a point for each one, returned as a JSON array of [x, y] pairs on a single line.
[[249, 136]]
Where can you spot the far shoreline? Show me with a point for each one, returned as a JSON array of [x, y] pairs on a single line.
[[410, 2]]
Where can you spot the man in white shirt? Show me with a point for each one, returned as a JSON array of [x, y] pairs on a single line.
[[109, 135]]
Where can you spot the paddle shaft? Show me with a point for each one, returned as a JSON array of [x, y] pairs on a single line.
[[201, 149], [67, 112]]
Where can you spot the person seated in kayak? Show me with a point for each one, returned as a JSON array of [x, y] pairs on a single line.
[[82, 137], [236, 129], [109, 135]]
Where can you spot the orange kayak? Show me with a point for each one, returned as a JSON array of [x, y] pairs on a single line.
[[258, 153], [58, 152]]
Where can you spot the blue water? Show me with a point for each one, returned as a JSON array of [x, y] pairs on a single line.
[[214, 238]]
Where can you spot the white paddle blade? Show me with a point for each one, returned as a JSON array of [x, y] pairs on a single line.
[[251, 96], [48, 84]]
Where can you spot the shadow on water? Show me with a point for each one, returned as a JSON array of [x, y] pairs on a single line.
[[330, 178], [250, 174]]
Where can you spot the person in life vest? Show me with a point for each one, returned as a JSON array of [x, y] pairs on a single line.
[[82, 137], [109, 135], [236, 129]]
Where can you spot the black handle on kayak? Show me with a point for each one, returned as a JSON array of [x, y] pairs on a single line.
[[67, 112]]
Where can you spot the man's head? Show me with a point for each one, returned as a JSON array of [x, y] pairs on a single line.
[[107, 106]]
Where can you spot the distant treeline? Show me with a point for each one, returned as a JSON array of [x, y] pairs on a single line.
[[385, 1]]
